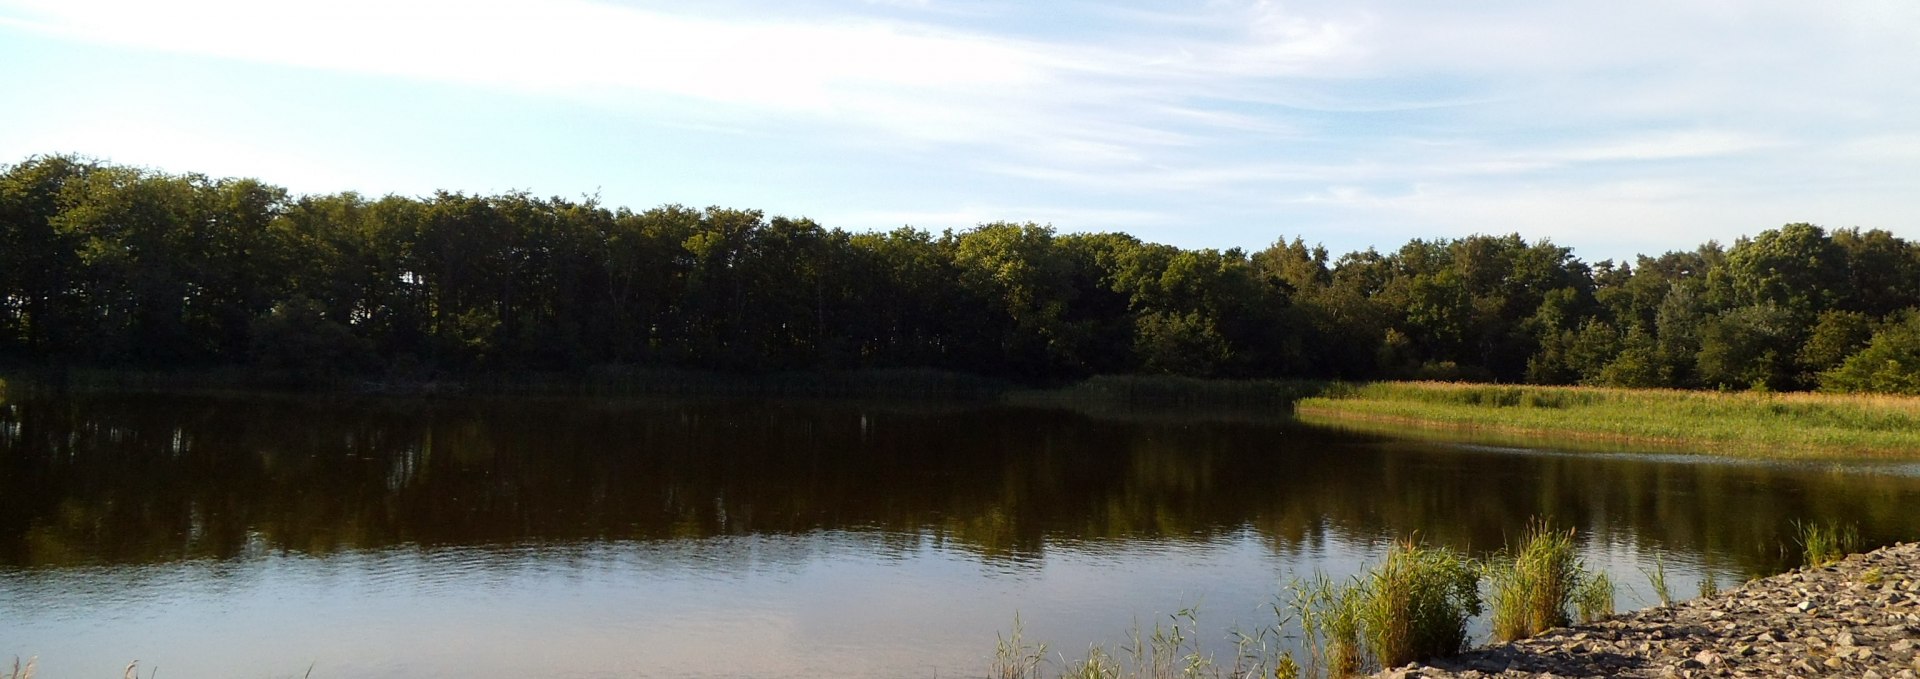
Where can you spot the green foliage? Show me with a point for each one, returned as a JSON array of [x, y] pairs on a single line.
[[1749, 347], [1796, 267], [1890, 364], [114, 266], [1836, 336], [1637, 366]]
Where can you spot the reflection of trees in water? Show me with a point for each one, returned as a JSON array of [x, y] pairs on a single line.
[[132, 479]]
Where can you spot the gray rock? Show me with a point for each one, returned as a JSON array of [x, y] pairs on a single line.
[[1810, 622]]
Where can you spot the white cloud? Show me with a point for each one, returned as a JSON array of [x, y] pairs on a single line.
[[552, 45], [1380, 110]]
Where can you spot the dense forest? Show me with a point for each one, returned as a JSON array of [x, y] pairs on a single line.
[[104, 265]]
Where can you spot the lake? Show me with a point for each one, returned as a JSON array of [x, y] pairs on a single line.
[[260, 535]]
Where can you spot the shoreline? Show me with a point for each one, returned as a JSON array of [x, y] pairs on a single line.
[[1790, 426], [1859, 617]]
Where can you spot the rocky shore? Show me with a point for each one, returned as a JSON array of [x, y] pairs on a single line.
[[1857, 618]]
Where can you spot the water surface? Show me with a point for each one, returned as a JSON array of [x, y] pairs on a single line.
[[258, 535]]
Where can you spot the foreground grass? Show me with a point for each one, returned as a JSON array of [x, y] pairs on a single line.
[[1798, 425]]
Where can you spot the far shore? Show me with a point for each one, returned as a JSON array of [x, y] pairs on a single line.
[[1793, 425]]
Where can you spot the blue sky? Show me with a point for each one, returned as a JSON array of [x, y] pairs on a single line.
[[1616, 127]]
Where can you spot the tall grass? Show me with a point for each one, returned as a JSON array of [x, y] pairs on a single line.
[[1014, 658], [1745, 423], [1169, 651], [1330, 623], [1415, 605], [1657, 578], [1412, 606], [1594, 597], [1533, 584], [1709, 582], [1826, 544]]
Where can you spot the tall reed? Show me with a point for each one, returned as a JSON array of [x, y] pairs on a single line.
[[1657, 578], [1415, 605], [1533, 584], [1826, 544], [1014, 658], [1594, 598], [1330, 622]]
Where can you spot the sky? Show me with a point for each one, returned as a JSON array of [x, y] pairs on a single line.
[[1616, 127]]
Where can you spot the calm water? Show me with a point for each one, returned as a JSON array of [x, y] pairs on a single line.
[[258, 536]]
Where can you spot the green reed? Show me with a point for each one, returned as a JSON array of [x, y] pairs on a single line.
[[1657, 578], [1533, 584], [1593, 599], [1416, 603], [1823, 544]]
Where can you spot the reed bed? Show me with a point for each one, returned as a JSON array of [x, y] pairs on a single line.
[[1733, 423], [1533, 584], [1415, 605]]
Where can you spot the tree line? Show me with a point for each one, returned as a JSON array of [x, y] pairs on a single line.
[[116, 266]]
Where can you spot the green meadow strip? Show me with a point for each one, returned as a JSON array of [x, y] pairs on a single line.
[[1797, 425]]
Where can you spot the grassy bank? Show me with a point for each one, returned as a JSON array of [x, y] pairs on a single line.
[[1799, 425]]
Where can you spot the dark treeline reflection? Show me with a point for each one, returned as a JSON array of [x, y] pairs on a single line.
[[88, 479]]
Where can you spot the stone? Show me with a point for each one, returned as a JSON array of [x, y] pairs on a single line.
[[1809, 623]]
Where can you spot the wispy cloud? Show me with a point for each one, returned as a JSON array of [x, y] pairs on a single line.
[[1429, 115]]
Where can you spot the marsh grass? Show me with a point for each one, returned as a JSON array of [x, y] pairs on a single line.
[[1169, 651], [1331, 619], [1657, 578], [1823, 544], [1416, 604], [1532, 585], [1172, 650], [1805, 425], [1014, 658], [1709, 582], [1593, 600]]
